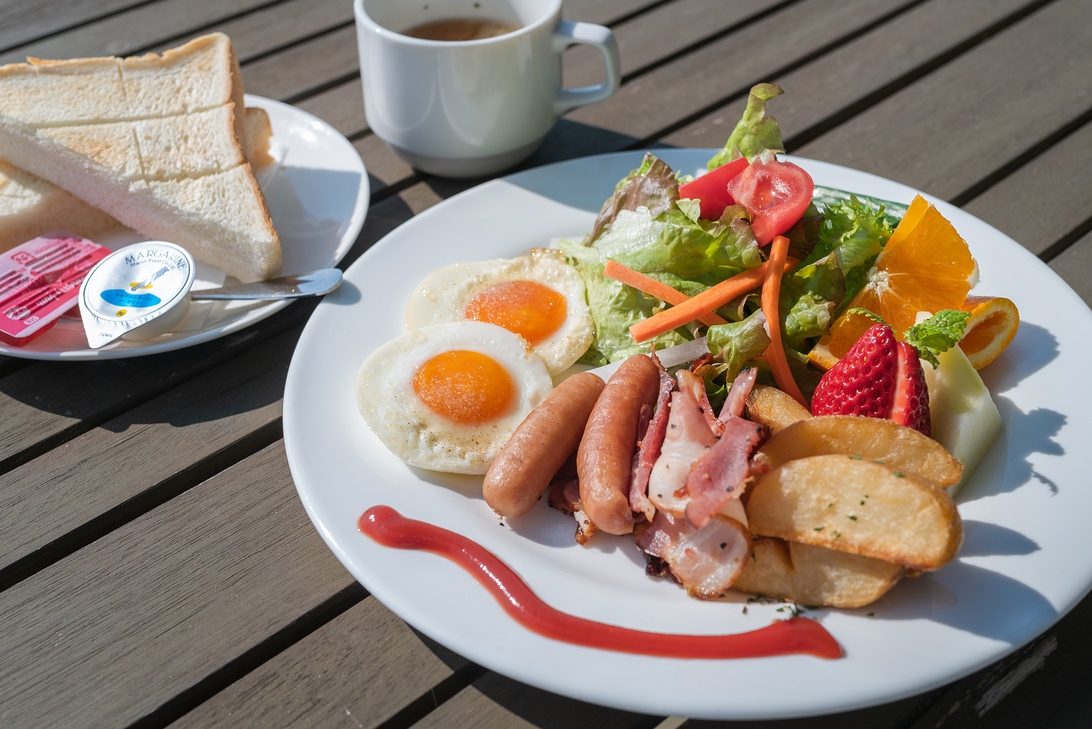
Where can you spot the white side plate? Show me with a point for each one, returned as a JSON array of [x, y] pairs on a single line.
[[317, 192]]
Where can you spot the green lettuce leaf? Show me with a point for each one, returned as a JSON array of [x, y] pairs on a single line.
[[701, 252], [737, 343], [614, 307], [808, 297], [652, 186], [852, 234], [756, 132]]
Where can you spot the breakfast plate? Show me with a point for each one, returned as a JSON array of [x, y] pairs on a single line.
[[317, 192], [1026, 559]]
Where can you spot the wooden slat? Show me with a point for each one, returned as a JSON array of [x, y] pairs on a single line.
[[124, 458], [360, 669], [45, 400], [1047, 199], [341, 106], [132, 30], [865, 67], [659, 33], [270, 28], [23, 20], [1074, 264], [665, 97], [603, 12], [950, 130], [168, 23], [304, 68], [127, 623], [494, 701]]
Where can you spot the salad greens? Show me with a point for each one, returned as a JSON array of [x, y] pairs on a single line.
[[646, 226], [756, 132]]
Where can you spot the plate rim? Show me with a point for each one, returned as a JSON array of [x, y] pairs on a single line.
[[413, 617]]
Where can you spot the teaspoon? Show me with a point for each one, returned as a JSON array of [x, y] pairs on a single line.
[[314, 283]]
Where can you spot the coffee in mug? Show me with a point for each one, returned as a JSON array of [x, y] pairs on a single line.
[[460, 29], [468, 108]]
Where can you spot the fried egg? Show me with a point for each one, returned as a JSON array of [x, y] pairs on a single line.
[[538, 296], [447, 397]]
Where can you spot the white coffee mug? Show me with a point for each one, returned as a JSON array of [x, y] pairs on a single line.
[[474, 107]]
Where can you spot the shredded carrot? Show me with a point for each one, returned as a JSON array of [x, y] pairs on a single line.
[[712, 298], [652, 287], [771, 291]]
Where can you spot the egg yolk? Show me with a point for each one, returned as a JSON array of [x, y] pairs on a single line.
[[469, 388], [528, 308]]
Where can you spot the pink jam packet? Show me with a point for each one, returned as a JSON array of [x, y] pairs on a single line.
[[40, 281]]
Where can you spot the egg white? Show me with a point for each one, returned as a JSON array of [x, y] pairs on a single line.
[[417, 435], [444, 294]]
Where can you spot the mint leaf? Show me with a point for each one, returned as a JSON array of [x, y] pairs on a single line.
[[937, 334]]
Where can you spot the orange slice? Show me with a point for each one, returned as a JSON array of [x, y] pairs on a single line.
[[992, 326], [925, 266]]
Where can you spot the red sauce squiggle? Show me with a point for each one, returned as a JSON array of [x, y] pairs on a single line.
[[796, 635]]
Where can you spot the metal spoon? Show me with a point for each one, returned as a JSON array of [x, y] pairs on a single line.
[[315, 283]]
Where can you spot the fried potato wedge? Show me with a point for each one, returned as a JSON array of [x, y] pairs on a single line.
[[857, 506], [873, 439], [773, 407], [810, 575]]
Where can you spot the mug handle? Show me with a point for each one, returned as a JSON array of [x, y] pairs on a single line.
[[568, 34]]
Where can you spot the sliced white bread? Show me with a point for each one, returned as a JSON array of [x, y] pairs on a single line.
[[167, 161], [31, 206]]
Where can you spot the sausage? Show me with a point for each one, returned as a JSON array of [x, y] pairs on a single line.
[[604, 462], [540, 446]]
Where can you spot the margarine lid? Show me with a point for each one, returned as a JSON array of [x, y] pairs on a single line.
[[137, 290]]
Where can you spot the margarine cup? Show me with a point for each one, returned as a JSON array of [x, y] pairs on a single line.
[[136, 293], [467, 108]]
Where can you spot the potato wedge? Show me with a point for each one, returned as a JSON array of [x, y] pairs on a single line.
[[857, 506], [810, 575], [873, 439], [773, 407]]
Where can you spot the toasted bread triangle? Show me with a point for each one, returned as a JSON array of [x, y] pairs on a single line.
[[152, 140]]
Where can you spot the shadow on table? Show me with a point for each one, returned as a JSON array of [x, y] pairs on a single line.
[[567, 140]]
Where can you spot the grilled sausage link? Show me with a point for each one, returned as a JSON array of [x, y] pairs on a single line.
[[604, 462], [540, 446]]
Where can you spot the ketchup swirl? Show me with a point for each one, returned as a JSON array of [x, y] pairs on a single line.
[[796, 635]]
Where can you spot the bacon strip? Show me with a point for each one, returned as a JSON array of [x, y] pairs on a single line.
[[688, 380], [686, 441], [705, 561], [720, 474], [649, 447], [738, 394]]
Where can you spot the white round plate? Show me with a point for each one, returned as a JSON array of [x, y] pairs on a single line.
[[1026, 560], [317, 192]]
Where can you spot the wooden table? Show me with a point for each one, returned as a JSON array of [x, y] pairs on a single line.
[[156, 565]]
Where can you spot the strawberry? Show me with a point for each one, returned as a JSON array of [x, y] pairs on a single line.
[[878, 377]]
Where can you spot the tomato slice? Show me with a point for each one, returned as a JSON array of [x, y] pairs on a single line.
[[711, 189], [775, 193]]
